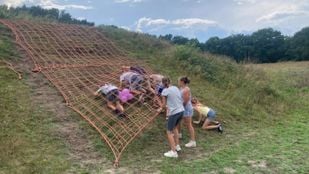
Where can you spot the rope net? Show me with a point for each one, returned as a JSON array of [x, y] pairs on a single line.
[[77, 60]]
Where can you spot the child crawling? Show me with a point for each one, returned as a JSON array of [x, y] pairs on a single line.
[[210, 115], [112, 95]]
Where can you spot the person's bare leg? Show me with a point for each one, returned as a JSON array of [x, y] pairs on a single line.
[[171, 140], [176, 136], [179, 126], [207, 125], [199, 119], [119, 106], [215, 122], [136, 92], [188, 122], [111, 106]]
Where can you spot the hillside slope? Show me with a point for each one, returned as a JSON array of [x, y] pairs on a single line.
[[255, 105]]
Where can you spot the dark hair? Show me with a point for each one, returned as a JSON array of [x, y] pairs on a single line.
[[166, 81], [185, 80]]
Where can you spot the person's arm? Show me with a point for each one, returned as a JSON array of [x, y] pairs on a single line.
[[164, 98], [121, 80], [163, 104], [199, 119], [97, 92], [186, 96], [200, 116], [121, 85]]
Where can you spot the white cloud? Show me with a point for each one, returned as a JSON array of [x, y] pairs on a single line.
[[126, 28], [13, 3], [48, 4], [241, 2], [150, 22], [281, 15], [81, 18], [177, 23], [128, 1], [285, 11], [190, 22]]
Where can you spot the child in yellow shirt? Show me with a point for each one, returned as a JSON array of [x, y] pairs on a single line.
[[210, 115]]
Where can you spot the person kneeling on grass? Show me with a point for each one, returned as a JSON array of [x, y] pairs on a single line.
[[172, 99], [210, 115], [112, 95]]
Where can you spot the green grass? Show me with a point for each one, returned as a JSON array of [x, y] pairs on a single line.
[[26, 145], [264, 112], [264, 109]]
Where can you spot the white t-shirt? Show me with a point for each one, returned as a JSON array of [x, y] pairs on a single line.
[[127, 76], [174, 100], [107, 88]]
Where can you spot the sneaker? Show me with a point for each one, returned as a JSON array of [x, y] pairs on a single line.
[[171, 154], [122, 116], [178, 148], [220, 129], [180, 136], [196, 122], [191, 144]]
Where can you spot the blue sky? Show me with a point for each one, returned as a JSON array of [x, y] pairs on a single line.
[[191, 18]]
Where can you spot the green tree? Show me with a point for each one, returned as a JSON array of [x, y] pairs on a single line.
[[167, 37], [180, 40], [38, 13], [299, 45], [268, 45]]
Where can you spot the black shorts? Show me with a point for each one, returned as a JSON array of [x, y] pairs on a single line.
[[112, 96], [173, 121]]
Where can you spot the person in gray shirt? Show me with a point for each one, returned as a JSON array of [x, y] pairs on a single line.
[[173, 101]]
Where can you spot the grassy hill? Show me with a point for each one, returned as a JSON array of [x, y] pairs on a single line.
[[264, 109]]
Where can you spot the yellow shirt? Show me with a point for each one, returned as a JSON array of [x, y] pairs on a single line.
[[203, 109]]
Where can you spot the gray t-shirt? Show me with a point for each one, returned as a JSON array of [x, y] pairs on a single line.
[[174, 100]]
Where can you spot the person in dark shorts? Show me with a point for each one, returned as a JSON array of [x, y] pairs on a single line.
[[172, 99], [111, 93]]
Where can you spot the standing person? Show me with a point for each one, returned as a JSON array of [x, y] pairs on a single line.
[[187, 117], [172, 100]]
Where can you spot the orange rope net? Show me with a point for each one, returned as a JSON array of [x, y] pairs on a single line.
[[77, 60]]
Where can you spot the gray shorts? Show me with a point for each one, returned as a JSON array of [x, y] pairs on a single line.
[[173, 121]]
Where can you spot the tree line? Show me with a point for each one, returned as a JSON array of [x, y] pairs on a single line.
[[38, 12], [263, 46]]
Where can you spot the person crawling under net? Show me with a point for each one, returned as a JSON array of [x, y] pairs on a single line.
[[111, 93]]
